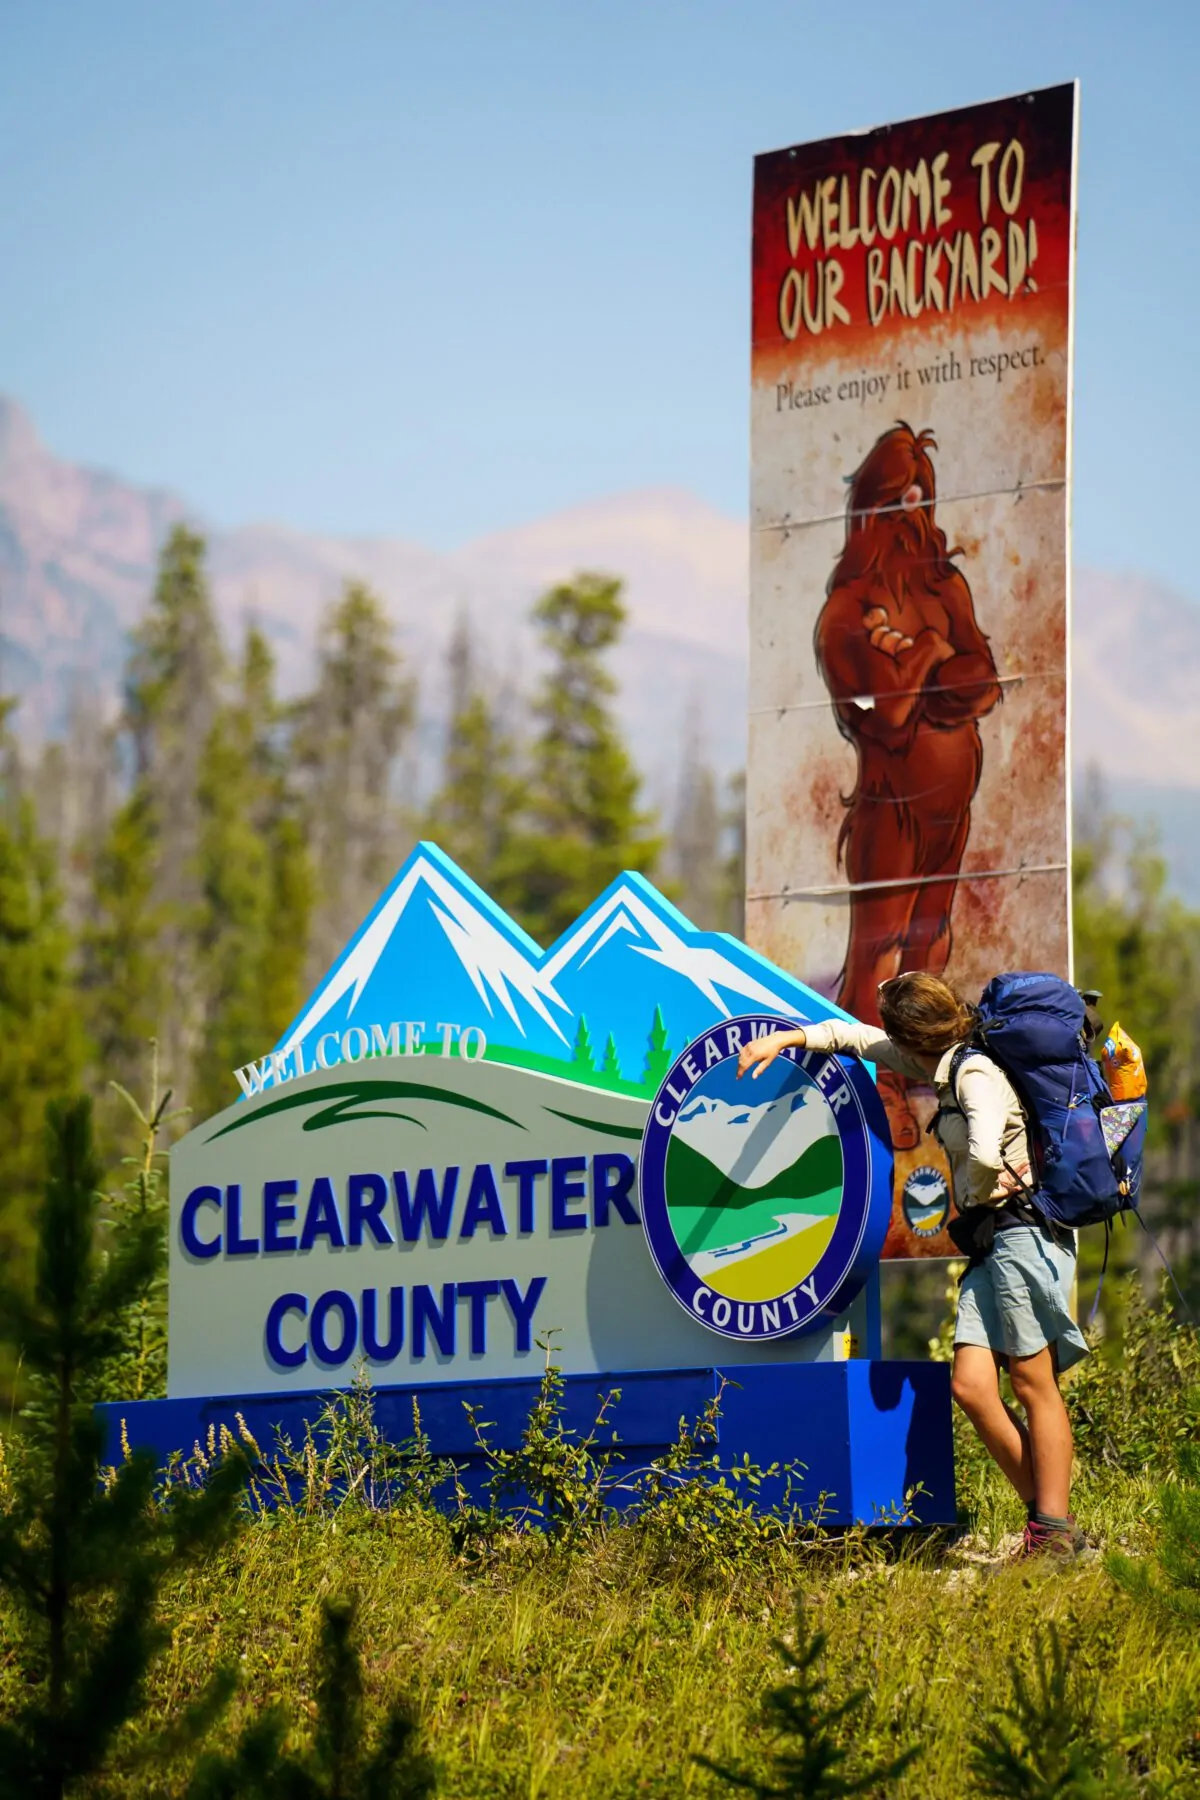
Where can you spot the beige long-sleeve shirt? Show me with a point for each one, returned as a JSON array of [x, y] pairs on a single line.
[[988, 1133]]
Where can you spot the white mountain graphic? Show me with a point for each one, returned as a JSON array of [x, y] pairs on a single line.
[[753, 1144], [500, 971], [513, 982], [625, 914]]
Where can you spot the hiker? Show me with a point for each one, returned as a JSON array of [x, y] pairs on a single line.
[[1014, 1303]]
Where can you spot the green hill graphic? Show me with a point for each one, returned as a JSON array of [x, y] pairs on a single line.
[[709, 1209]]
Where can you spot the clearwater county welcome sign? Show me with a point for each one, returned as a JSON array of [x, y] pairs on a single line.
[[465, 1144]]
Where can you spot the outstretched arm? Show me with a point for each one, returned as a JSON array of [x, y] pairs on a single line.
[[831, 1035]]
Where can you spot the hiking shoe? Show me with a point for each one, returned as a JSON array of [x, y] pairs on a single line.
[[1064, 1544]]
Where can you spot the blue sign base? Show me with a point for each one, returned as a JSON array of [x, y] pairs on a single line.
[[867, 1434]]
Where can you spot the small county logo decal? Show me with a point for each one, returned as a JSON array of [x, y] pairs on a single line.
[[925, 1199], [765, 1200]]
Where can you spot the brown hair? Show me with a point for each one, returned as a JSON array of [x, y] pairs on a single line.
[[924, 1014]]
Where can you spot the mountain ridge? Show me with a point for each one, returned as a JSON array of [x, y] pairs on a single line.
[[77, 558]]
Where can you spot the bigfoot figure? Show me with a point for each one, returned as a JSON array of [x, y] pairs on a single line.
[[910, 673]]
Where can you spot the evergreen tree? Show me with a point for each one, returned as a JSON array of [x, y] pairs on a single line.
[[814, 1735], [611, 1064], [41, 1042], [256, 893], [350, 732], [171, 700], [732, 898], [474, 810], [695, 859], [121, 975], [82, 1561], [342, 1762], [581, 825]]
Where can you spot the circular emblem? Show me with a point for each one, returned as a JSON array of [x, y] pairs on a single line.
[[766, 1201], [925, 1200]]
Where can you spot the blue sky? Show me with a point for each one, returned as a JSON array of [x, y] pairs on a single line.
[[433, 270]]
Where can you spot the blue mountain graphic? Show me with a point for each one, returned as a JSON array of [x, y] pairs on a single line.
[[436, 949]]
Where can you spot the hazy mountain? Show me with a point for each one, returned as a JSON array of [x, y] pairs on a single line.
[[78, 549]]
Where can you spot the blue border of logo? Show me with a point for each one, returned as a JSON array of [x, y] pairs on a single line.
[[862, 1222]]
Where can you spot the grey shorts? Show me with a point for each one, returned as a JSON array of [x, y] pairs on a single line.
[[1018, 1300]]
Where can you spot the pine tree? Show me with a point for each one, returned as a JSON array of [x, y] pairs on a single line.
[[342, 1762], [695, 859], [41, 1041], [658, 1052], [82, 1561], [812, 1732], [732, 899], [121, 977], [611, 1065], [171, 700], [473, 812], [349, 734], [256, 892], [581, 825]]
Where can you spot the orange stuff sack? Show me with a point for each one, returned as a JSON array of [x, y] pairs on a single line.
[[1124, 1070]]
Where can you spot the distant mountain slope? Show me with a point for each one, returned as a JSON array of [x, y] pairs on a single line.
[[78, 548]]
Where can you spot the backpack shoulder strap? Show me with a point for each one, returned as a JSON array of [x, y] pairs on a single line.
[[954, 1106]]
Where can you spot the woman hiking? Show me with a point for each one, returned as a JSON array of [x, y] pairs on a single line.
[[1014, 1303]]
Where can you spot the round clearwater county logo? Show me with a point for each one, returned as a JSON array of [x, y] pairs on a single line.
[[925, 1200], [766, 1201]]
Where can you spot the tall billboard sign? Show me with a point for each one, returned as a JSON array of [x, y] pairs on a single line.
[[908, 803]]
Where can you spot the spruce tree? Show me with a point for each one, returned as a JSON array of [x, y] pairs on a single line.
[[256, 895], [41, 1041], [611, 1065], [171, 698], [581, 824], [478, 800], [121, 977], [814, 1735], [732, 898], [82, 1561], [695, 859], [349, 735]]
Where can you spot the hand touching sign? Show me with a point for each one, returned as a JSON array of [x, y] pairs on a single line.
[[761, 1052]]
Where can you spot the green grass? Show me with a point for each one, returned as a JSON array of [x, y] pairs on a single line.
[[599, 1661], [600, 1674]]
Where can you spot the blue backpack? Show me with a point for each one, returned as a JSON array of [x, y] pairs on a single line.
[[1086, 1148]]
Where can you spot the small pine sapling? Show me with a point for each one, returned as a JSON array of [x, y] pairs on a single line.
[[138, 1371], [83, 1560], [1171, 1584], [341, 1763], [1043, 1744], [810, 1760]]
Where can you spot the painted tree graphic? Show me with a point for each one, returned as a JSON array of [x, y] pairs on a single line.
[[610, 1065], [582, 1056], [658, 1053]]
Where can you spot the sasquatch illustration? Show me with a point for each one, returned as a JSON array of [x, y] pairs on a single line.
[[910, 673]]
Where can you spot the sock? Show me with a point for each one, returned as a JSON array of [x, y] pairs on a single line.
[[1051, 1523]]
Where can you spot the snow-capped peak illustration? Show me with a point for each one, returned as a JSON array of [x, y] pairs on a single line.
[[437, 964], [496, 962], [754, 1144], [649, 934]]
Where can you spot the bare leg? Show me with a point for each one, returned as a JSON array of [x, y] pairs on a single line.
[[1035, 1384], [975, 1384]]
